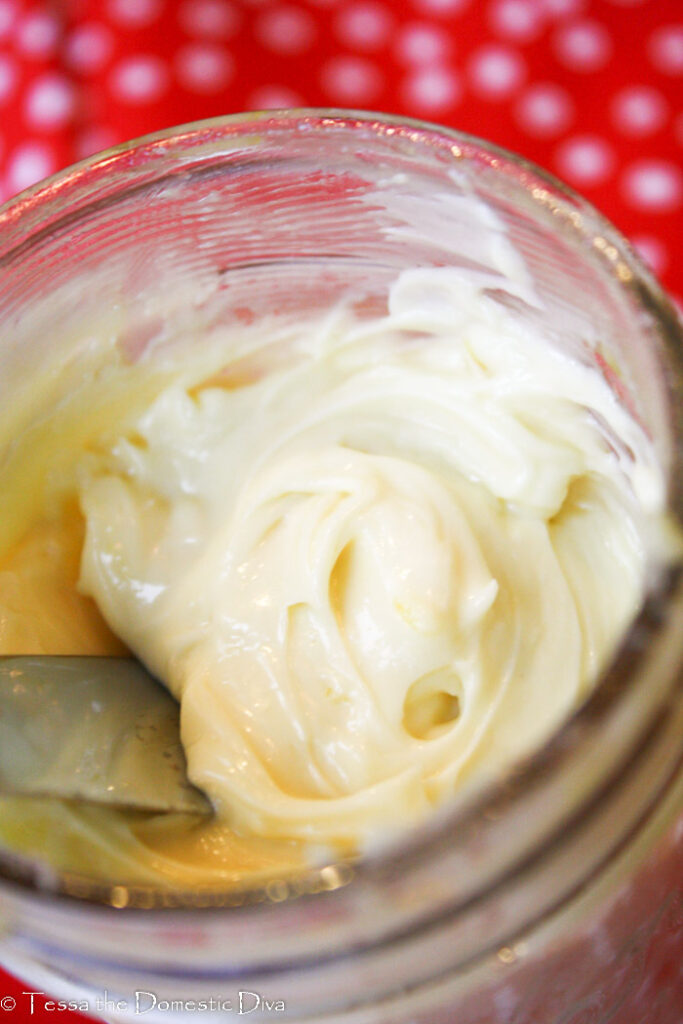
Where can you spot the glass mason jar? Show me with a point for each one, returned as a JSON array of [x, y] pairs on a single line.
[[554, 896]]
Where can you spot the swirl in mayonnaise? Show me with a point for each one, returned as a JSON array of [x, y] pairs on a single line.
[[379, 569]]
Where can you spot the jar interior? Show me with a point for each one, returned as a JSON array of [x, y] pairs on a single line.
[[158, 253]]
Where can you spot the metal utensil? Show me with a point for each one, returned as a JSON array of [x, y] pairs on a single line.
[[94, 729]]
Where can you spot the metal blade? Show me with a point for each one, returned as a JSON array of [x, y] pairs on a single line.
[[94, 729]]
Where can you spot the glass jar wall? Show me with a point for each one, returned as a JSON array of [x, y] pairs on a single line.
[[553, 896]]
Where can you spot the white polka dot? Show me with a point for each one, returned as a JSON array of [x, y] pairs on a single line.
[[562, 8], [583, 46], [274, 97], [665, 48], [422, 43], [38, 35], [653, 185], [93, 140], [653, 251], [50, 102], [8, 77], [212, 18], [364, 26], [28, 164], [445, 7], [8, 13], [520, 20], [639, 110], [585, 160], [134, 13], [89, 47], [545, 110], [431, 90], [203, 67], [141, 79], [351, 80], [496, 72], [286, 30]]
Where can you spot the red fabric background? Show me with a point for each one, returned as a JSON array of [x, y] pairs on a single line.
[[590, 89]]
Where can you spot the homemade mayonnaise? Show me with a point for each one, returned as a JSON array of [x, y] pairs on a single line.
[[375, 568]]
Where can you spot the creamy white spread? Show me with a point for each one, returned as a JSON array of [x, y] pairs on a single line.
[[377, 568]]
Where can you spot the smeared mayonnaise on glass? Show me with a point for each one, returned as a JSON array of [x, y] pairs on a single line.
[[378, 568]]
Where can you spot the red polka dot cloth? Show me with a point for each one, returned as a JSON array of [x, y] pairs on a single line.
[[589, 89]]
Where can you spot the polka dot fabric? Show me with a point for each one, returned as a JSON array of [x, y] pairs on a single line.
[[590, 89]]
